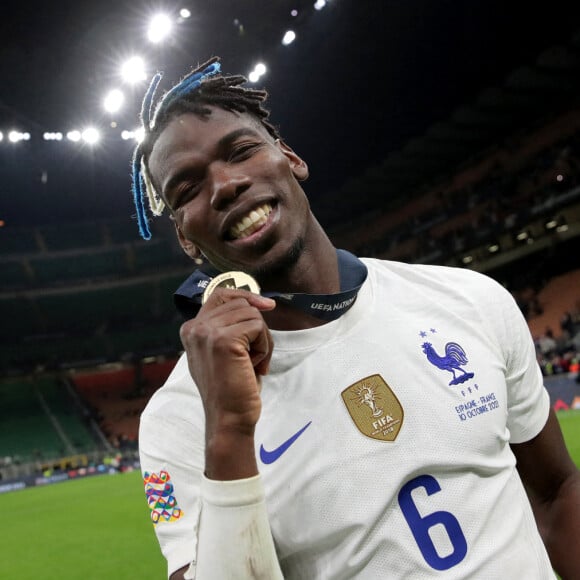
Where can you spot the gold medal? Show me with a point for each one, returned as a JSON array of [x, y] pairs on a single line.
[[234, 280]]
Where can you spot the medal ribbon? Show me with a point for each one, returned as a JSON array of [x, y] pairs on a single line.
[[325, 307]]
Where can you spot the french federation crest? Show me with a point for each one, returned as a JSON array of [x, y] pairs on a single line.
[[374, 408]]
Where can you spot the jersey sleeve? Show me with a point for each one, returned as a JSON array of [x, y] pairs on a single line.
[[528, 399], [171, 463], [217, 529]]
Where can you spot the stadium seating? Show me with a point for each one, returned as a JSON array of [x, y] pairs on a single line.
[[38, 421], [560, 294]]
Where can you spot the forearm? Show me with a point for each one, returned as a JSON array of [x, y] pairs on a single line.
[[230, 454], [234, 537], [559, 524]]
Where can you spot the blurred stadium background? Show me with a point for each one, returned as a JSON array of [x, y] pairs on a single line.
[[436, 132]]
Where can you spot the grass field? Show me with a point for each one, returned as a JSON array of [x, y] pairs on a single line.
[[98, 528]]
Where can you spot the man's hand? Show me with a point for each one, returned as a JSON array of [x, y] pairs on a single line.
[[228, 347]]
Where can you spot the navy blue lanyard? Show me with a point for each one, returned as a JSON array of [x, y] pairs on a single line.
[[325, 307]]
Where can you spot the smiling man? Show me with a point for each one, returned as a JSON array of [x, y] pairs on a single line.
[[332, 417]]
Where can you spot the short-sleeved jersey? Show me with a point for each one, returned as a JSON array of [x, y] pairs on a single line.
[[384, 439]]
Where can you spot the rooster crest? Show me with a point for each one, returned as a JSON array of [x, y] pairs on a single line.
[[453, 360]]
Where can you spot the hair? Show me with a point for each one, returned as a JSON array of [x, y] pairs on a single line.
[[203, 87]]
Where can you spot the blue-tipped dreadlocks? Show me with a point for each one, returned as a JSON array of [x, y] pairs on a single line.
[[201, 88]]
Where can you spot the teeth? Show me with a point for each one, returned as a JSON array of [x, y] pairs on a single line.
[[252, 222]]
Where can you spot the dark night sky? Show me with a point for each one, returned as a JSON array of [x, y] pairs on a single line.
[[362, 78]]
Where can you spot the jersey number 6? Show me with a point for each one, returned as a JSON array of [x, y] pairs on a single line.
[[420, 525]]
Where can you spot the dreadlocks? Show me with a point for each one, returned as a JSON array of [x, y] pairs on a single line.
[[202, 87]]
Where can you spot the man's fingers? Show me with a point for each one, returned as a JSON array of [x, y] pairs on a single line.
[[262, 366], [224, 295]]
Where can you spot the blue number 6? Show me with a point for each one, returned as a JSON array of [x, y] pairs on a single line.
[[420, 525]]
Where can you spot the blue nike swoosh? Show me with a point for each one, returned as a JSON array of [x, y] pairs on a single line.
[[271, 456]]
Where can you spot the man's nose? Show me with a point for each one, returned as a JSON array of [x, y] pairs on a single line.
[[227, 182]]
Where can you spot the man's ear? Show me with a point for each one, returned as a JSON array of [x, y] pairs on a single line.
[[298, 165], [188, 247]]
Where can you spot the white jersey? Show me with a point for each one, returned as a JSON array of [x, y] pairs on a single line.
[[383, 443]]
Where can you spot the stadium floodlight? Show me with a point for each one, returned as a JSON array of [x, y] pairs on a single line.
[[289, 37], [185, 13], [15, 136], [159, 28], [138, 135], [113, 101], [133, 70], [319, 4], [52, 136], [90, 135], [74, 136], [1, 136], [259, 70]]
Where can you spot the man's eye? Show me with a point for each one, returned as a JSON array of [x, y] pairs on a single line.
[[185, 194], [242, 151]]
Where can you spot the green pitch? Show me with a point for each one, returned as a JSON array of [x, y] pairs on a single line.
[[99, 528], [96, 528], [570, 423]]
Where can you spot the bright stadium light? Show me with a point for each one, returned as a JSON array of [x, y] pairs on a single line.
[[113, 101], [185, 13], [159, 28], [289, 37], [319, 4], [15, 136], [133, 70], [1, 136], [74, 136], [258, 71], [90, 135], [138, 135]]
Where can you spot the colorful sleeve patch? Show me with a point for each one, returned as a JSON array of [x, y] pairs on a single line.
[[160, 497]]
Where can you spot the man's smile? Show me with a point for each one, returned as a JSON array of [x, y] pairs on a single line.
[[251, 222]]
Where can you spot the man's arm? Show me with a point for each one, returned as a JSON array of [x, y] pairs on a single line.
[[552, 482], [228, 348]]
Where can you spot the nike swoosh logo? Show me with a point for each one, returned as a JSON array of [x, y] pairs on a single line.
[[268, 457]]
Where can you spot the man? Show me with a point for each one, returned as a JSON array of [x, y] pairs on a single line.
[[360, 418]]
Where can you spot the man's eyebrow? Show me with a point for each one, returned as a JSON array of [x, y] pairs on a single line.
[[223, 143]]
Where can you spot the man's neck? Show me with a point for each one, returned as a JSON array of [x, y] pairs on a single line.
[[316, 272]]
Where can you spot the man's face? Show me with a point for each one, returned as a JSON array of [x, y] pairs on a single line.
[[232, 190]]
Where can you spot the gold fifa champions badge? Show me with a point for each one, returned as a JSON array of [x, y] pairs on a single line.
[[374, 408], [234, 280]]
